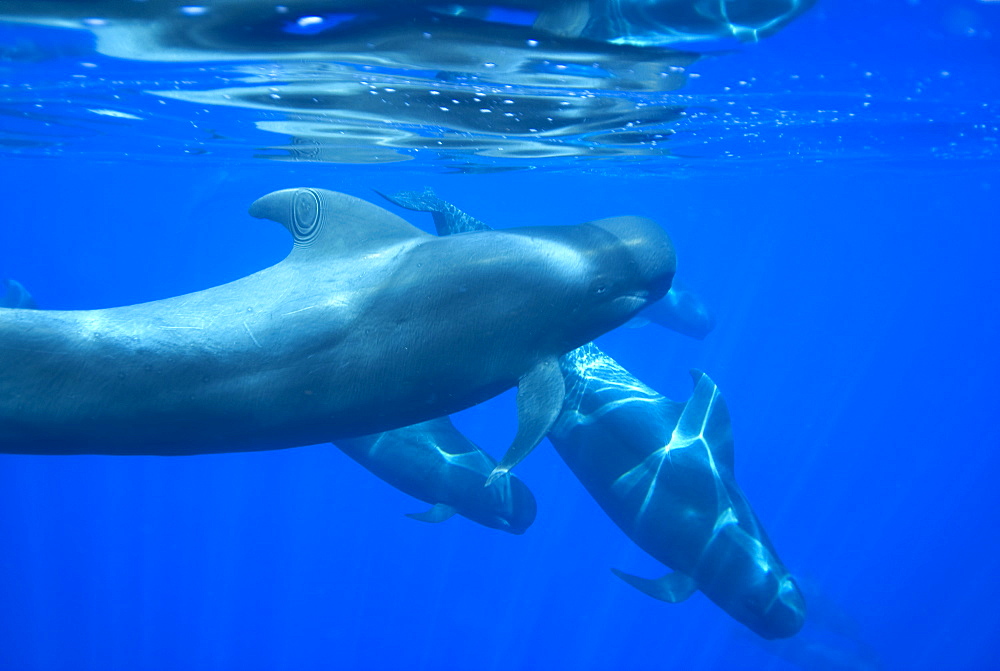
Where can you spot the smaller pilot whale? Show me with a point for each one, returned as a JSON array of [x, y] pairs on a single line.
[[434, 462], [369, 324], [663, 472]]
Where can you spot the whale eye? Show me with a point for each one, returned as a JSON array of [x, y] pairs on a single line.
[[600, 287]]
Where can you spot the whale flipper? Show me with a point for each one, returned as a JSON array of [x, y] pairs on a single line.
[[439, 512], [673, 587], [330, 223], [540, 395]]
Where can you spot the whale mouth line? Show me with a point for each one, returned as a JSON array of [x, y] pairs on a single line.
[[635, 301]]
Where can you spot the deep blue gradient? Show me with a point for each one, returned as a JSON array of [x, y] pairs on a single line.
[[856, 345]]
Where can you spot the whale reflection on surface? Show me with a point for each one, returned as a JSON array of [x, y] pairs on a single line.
[[344, 81]]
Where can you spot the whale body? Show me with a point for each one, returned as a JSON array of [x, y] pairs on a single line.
[[369, 324], [434, 462], [663, 471]]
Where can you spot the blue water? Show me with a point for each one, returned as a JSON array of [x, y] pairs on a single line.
[[852, 265]]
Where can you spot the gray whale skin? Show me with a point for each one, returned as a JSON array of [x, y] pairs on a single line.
[[664, 471], [369, 324]]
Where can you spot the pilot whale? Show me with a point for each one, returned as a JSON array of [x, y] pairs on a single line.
[[434, 462], [369, 324], [663, 471], [431, 461]]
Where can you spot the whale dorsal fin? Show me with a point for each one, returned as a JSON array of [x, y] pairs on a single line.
[[328, 223], [706, 416]]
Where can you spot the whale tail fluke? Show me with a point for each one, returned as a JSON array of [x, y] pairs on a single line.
[[448, 219]]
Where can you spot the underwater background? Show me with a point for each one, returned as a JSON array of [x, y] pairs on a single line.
[[832, 191]]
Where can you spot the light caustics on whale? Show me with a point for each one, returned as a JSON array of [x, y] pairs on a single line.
[[663, 472]]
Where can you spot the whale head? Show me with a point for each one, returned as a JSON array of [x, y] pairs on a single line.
[[507, 505], [750, 583], [694, 517], [610, 270]]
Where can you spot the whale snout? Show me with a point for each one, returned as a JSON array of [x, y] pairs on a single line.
[[787, 614], [650, 249]]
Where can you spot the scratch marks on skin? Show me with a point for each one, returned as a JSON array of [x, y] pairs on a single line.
[[252, 337], [310, 307]]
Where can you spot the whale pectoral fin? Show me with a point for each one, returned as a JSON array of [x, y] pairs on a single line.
[[439, 512], [672, 588], [540, 395]]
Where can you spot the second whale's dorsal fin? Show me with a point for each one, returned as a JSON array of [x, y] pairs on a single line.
[[329, 223], [706, 415], [673, 587]]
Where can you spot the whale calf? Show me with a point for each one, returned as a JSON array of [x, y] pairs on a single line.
[[368, 324], [663, 472], [434, 462]]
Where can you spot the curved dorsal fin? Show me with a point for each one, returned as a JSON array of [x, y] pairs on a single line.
[[706, 415], [328, 223]]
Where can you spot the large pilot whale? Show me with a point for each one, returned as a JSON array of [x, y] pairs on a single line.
[[432, 461], [369, 324], [663, 471]]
